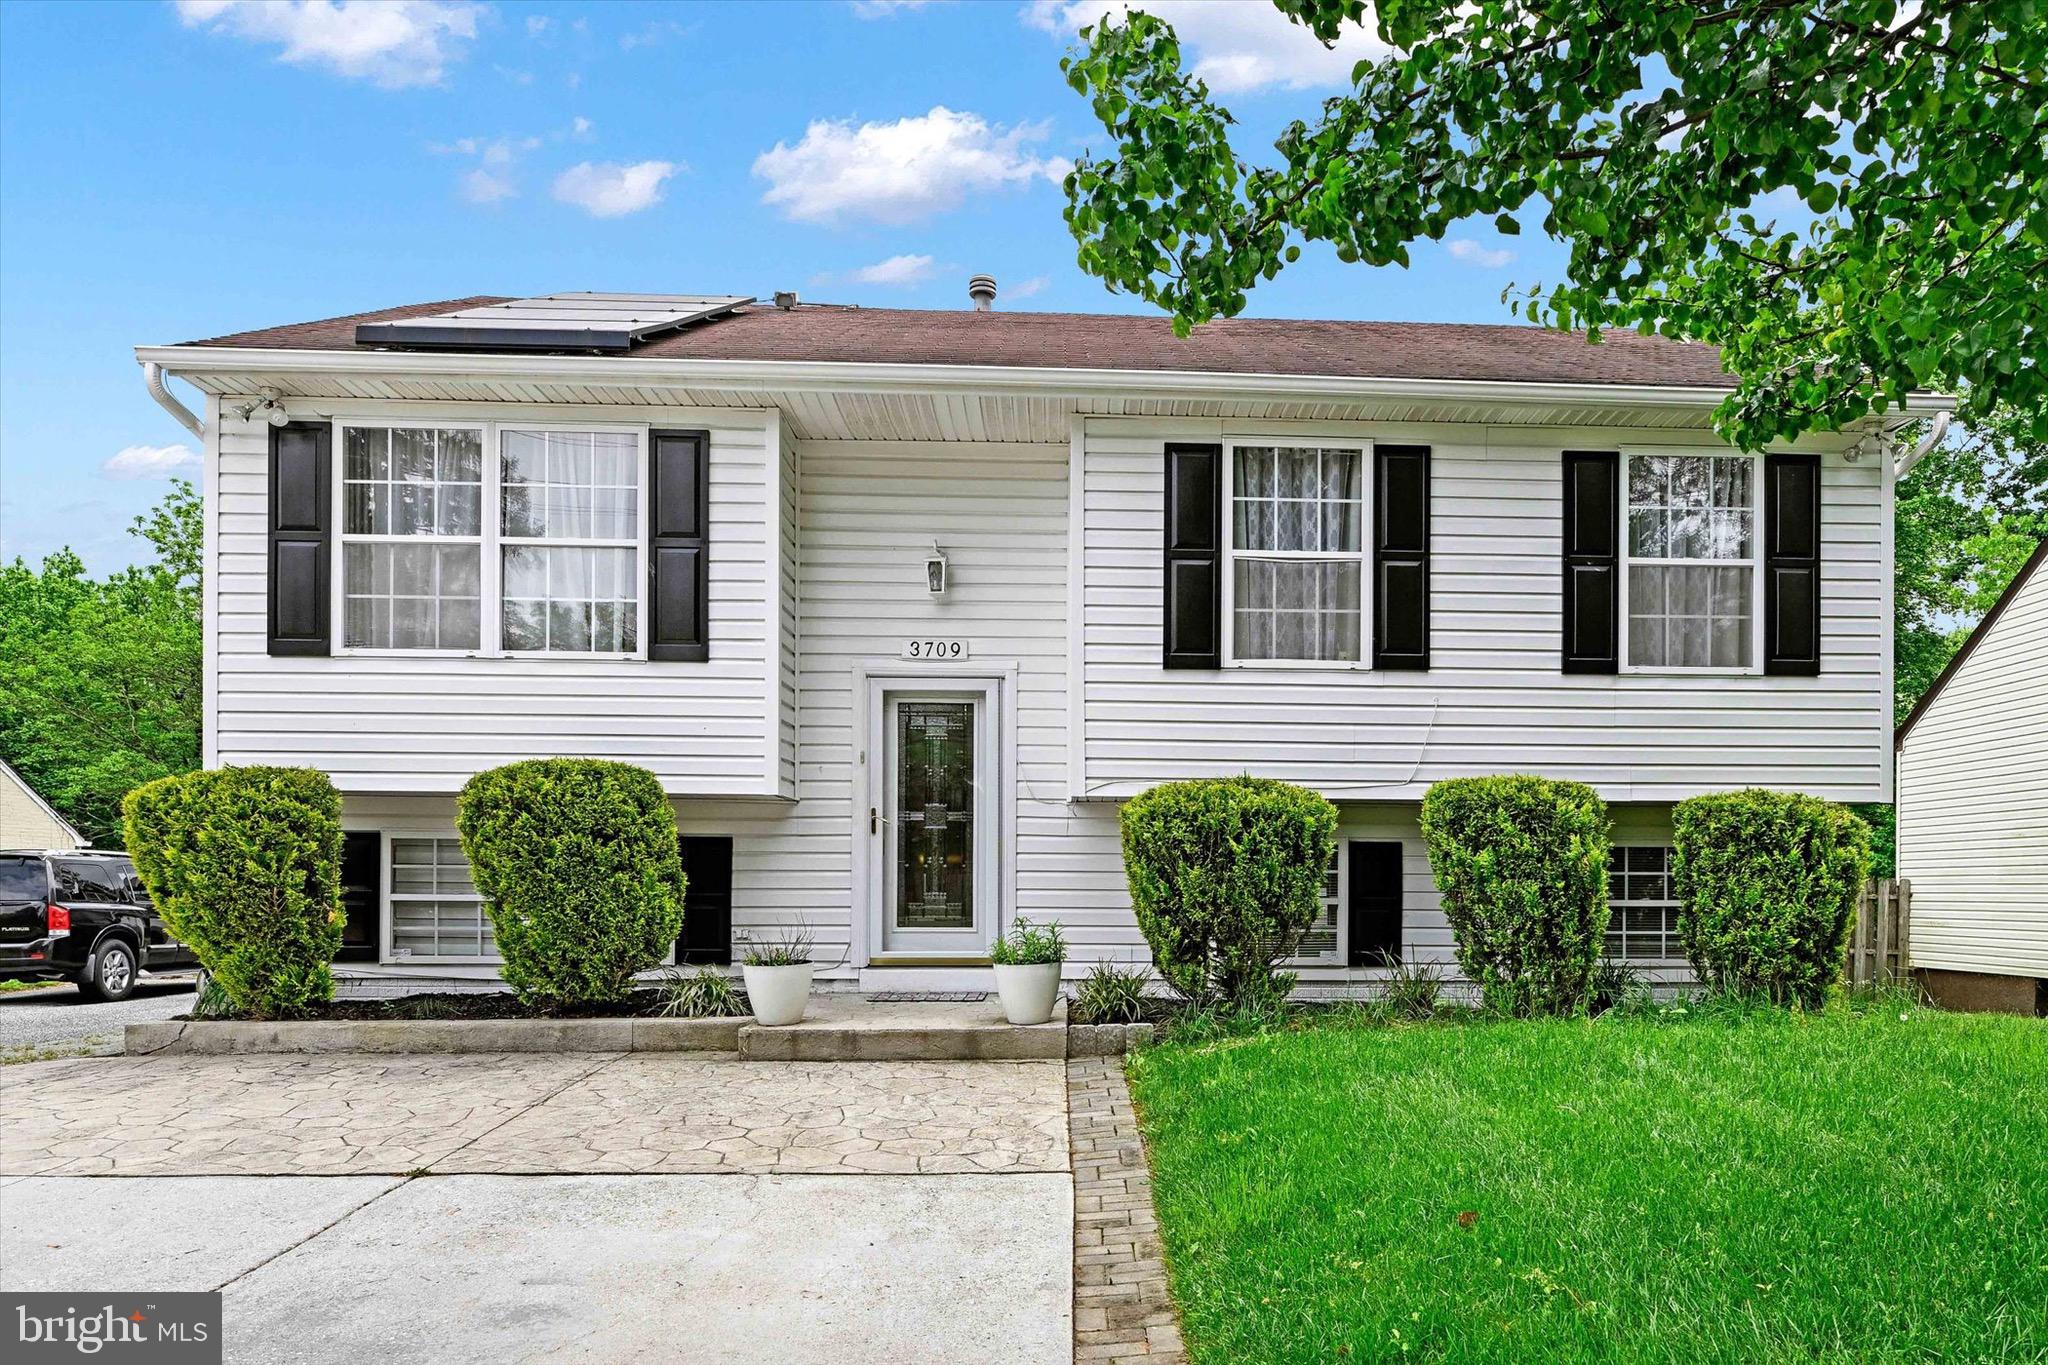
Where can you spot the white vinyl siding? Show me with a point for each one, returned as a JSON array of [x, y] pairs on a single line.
[[418, 722], [1494, 698], [1973, 802]]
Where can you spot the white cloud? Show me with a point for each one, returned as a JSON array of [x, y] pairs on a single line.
[[611, 190], [1472, 253], [537, 24], [903, 171], [1024, 289], [395, 43], [885, 9], [897, 271], [151, 462], [1237, 47], [487, 187]]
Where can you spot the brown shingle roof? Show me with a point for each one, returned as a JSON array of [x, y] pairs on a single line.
[[1379, 350]]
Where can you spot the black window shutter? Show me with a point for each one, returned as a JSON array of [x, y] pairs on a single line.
[[301, 506], [1592, 535], [678, 528], [1792, 565], [1400, 557], [707, 900], [1194, 556], [362, 895], [1375, 903]]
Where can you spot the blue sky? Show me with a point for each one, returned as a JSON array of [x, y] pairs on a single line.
[[171, 171]]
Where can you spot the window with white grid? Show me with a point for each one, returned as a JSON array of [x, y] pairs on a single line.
[[1322, 944], [1691, 565], [1642, 905], [570, 541], [435, 911], [412, 538], [1296, 577]]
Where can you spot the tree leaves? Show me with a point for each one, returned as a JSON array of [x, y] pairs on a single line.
[[100, 680], [1659, 137]]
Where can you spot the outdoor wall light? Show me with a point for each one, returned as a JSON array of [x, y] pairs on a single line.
[[935, 571], [269, 405]]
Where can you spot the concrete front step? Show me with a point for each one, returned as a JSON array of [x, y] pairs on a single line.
[[840, 1028]]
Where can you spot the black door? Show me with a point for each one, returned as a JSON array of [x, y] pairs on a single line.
[[707, 900]]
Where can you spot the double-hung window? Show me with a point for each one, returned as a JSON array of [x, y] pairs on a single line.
[[412, 537], [570, 536], [436, 912], [1692, 569], [1642, 905], [1295, 584], [515, 538]]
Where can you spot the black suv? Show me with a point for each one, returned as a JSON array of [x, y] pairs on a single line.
[[84, 917]]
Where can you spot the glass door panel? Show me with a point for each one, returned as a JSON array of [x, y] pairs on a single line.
[[933, 840]]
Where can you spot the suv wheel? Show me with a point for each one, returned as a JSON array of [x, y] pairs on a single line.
[[113, 972]]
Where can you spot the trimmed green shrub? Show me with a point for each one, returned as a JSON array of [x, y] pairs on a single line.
[[578, 866], [244, 865], [1767, 885], [1226, 874], [1522, 865]]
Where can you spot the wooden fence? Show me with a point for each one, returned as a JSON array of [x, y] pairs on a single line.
[[1880, 942]]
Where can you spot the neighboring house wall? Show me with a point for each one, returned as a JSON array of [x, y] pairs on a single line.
[[1973, 800], [1494, 699], [26, 820], [426, 724]]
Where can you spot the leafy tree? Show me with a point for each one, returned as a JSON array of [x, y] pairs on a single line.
[[101, 679], [1647, 135], [1967, 518]]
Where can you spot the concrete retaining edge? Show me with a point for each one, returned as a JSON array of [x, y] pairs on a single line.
[[223, 1037], [231, 1037]]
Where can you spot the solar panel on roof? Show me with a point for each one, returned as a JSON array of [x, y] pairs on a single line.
[[552, 322]]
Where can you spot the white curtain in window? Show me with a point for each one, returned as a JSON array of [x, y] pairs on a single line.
[[1691, 575], [403, 489], [1296, 575], [580, 487]]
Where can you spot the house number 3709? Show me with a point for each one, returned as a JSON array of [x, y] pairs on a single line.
[[934, 649]]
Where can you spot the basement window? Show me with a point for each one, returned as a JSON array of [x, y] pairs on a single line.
[[1642, 905]]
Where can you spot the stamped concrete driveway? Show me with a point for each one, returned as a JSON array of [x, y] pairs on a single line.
[[567, 1207]]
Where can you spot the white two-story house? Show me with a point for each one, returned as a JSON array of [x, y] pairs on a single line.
[[899, 605]]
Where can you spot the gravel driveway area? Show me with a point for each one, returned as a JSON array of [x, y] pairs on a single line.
[[55, 1021]]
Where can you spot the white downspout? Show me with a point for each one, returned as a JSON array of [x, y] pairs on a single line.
[[153, 377], [1935, 432]]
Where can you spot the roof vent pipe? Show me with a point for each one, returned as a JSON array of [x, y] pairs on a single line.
[[982, 289]]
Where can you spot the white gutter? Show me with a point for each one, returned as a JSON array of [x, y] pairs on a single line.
[[1933, 438], [153, 377], [838, 376], [782, 376]]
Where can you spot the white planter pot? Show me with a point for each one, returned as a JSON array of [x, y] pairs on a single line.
[[1028, 991], [778, 994]]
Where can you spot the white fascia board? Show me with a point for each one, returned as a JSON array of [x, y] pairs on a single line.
[[782, 376]]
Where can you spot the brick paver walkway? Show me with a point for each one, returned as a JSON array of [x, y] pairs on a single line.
[[1122, 1309]]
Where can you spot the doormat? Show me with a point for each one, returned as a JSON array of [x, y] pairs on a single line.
[[925, 997]]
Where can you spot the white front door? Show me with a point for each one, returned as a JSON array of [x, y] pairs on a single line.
[[932, 824]]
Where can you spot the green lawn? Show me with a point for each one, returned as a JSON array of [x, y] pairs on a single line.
[[1836, 1187]]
